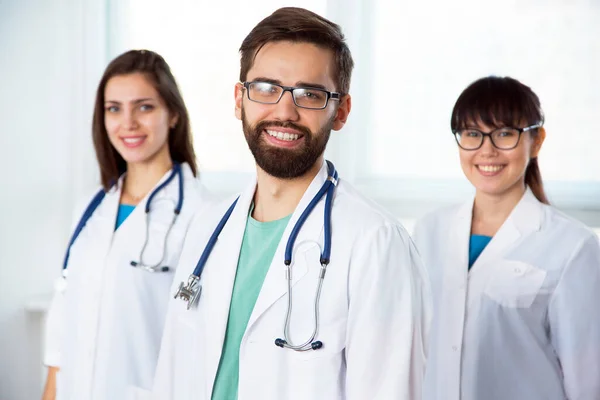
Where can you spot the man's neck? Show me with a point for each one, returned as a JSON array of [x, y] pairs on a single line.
[[277, 198]]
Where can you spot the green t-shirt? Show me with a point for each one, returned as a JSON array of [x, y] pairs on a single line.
[[258, 249]]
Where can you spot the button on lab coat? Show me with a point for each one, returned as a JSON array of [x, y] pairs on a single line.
[[105, 322], [374, 310], [523, 324]]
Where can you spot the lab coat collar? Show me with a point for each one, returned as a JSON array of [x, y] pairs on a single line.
[[526, 217], [459, 244], [171, 189], [116, 190], [171, 192]]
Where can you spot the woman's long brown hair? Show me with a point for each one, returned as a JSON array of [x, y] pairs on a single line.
[[158, 73]]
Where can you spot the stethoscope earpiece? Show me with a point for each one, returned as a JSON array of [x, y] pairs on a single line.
[[314, 345], [149, 268]]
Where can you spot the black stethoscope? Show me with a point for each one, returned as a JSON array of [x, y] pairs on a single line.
[[190, 292], [138, 264]]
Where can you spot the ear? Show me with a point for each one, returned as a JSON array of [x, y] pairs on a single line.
[[173, 121], [538, 140], [239, 97], [342, 112]]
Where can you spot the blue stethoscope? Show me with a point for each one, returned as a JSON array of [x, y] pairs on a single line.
[[176, 172], [190, 292]]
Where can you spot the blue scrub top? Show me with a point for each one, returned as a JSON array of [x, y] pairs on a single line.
[[124, 211], [476, 246]]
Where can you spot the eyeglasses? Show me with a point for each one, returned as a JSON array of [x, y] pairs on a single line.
[[505, 138], [304, 97]]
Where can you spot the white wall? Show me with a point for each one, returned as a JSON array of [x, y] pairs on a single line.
[[45, 107]]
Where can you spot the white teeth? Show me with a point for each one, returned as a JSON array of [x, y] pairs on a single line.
[[288, 137], [133, 140], [491, 168]]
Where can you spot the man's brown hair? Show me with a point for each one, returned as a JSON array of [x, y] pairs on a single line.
[[299, 25]]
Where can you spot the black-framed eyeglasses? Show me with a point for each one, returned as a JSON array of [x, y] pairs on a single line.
[[304, 97], [505, 138]]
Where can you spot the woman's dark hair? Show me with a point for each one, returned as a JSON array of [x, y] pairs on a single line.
[[499, 102], [158, 73]]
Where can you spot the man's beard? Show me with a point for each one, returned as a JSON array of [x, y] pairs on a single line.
[[281, 162]]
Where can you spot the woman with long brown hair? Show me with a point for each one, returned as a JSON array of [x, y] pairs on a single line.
[[516, 283], [106, 319]]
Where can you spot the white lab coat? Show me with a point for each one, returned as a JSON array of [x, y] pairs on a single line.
[[523, 324], [374, 310], [104, 330]]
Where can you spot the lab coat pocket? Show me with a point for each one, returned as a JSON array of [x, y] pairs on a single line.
[[136, 393], [515, 284]]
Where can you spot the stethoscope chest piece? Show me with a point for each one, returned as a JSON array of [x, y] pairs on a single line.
[[190, 293]]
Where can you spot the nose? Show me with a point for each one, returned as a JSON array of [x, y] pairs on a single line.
[[129, 120], [487, 147], [286, 109]]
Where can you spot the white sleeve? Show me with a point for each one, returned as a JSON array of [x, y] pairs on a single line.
[[418, 231], [421, 234], [389, 318], [55, 325], [575, 322], [55, 318]]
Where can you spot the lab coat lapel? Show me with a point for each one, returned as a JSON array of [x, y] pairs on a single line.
[[106, 218], [456, 273], [275, 286], [525, 218], [218, 279], [170, 192]]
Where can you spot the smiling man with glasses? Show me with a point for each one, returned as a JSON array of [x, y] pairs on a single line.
[[310, 291]]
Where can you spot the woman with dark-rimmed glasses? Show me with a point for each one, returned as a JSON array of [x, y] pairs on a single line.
[[516, 283]]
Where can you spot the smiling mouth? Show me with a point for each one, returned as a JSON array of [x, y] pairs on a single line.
[[490, 168], [133, 140], [285, 136]]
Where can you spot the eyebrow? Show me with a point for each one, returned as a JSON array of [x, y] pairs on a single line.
[[136, 101], [311, 85], [298, 84]]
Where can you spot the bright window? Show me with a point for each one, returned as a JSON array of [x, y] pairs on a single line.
[[200, 41], [412, 61], [424, 60]]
